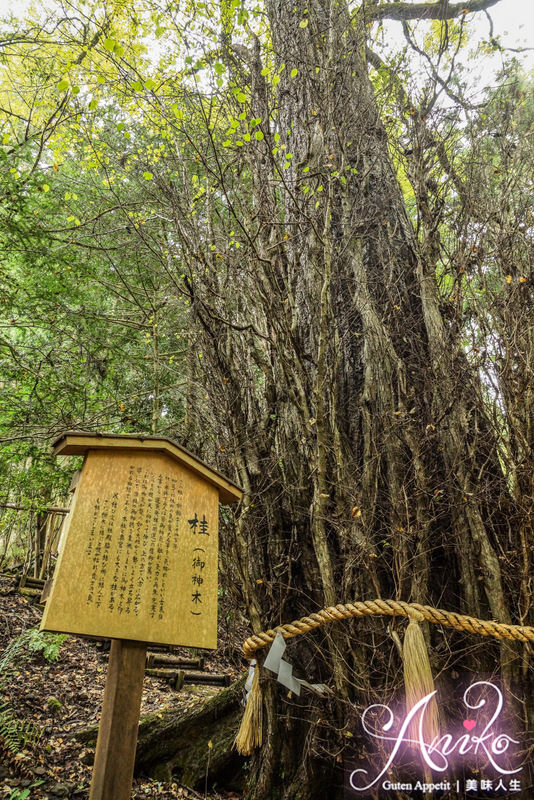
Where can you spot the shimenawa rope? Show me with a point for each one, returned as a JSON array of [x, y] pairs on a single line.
[[417, 672], [392, 608]]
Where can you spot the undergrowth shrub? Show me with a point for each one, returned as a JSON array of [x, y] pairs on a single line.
[[17, 735]]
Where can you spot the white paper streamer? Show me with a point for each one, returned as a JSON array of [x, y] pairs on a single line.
[[284, 670], [248, 684]]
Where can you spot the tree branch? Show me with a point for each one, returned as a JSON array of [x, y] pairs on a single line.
[[438, 10]]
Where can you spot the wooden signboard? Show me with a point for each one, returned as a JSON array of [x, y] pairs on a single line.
[[139, 559], [138, 564]]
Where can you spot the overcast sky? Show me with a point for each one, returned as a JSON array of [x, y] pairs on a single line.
[[516, 17], [512, 25], [513, 22], [509, 15]]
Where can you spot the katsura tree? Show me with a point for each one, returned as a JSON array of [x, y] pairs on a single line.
[[351, 247], [328, 222]]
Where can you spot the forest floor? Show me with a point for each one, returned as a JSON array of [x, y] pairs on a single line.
[[64, 696]]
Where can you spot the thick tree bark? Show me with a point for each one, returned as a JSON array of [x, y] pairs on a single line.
[[353, 418]]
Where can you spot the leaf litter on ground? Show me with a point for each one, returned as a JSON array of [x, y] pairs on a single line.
[[65, 696]]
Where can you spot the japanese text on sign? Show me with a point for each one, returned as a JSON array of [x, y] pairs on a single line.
[[141, 554], [199, 528], [148, 532]]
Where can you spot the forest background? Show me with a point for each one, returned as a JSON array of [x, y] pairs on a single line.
[[301, 245]]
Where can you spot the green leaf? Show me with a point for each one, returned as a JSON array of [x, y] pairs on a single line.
[[75, 90], [241, 97], [109, 44], [294, 72], [45, 187], [303, 23], [227, 143], [149, 84], [147, 176], [137, 86], [93, 104], [259, 136], [218, 67], [63, 85]]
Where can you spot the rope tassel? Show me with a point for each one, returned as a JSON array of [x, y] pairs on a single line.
[[418, 680], [250, 734]]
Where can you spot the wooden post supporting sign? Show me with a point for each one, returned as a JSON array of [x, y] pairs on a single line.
[[117, 734], [138, 564]]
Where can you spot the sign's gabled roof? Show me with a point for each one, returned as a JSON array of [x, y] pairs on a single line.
[[75, 443]]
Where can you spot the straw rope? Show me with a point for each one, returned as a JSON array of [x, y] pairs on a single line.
[[392, 608]]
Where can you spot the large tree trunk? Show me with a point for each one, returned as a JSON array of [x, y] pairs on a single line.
[[351, 413]]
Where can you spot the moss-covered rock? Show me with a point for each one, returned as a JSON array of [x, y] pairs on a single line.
[[192, 744], [188, 745]]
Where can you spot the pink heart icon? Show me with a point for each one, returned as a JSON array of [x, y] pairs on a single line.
[[469, 724]]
